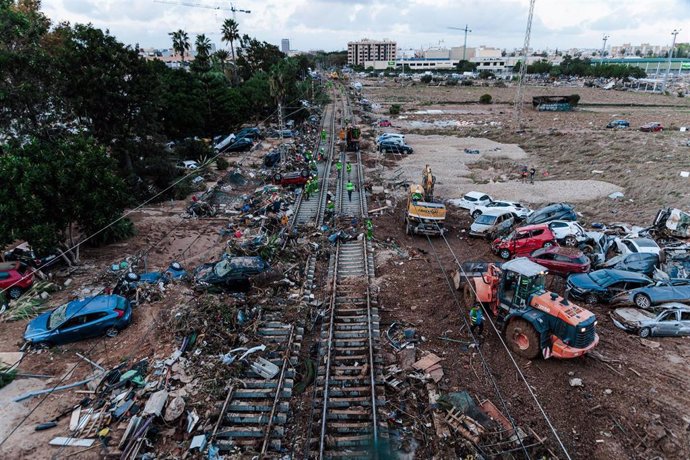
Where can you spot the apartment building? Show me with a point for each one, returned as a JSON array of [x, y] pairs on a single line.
[[371, 51]]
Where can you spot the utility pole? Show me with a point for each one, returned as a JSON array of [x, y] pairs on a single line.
[[670, 56], [603, 47], [464, 46], [523, 68]]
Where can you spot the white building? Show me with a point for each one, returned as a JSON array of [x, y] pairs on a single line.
[[372, 53]]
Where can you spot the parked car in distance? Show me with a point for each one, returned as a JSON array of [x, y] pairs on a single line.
[[618, 124], [672, 320], [391, 136], [604, 285], [672, 290], [492, 222], [637, 245], [652, 127], [240, 145], [80, 319], [25, 253], [233, 273], [223, 142], [556, 211], [471, 200], [635, 262], [561, 261], [188, 165], [395, 147], [385, 124], [523, 241], [251, 133], [15, 277], [516, 209], [287, 179]]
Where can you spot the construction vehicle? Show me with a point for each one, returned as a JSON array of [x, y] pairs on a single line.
[[423, 215], [428, 182], [352, 136], [533, 320]]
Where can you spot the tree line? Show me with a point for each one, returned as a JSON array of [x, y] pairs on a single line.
[[579, 67], [84, 119]]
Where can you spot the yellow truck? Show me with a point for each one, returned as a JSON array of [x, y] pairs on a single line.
[[423, 217]]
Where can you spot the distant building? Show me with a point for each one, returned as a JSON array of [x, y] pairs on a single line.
[[372, 53], [285, 45], [642, 50]]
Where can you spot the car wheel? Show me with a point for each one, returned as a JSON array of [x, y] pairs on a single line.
[[643, 301], [304, 173], [112, 332], [277, 177], [591, 299], [570, 241], [548, 244], [645, 332], [505, 254], [476, 214], [15, 292]]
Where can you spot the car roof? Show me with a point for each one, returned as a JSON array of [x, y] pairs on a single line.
[[523, 266], [535, 227], [474, 194], [624, 275], [94, 304], [643, 242], [495, 212], [563, 251], [674, 306]]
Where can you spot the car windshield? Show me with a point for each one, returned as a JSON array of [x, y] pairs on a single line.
[[486, 220], [601, 277], [469, 198], [646, 243], [57, 317], [581, 259]]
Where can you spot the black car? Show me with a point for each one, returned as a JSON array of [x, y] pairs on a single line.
[[271, 159], [241, 145], [604, 285], [556, 211], [618, 124], [640, 262], [251, 133], [233, 273], [395, 147], [24, 253]]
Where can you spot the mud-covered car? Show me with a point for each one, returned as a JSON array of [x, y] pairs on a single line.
[[672, 319], [232, 273], [555, 211], [671, 290]]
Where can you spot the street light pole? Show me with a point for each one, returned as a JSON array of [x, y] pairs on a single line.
[[603, 47], [670, 56]]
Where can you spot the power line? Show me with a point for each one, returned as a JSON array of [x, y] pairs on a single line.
[[510, 354]]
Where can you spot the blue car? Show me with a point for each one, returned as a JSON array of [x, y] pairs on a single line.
[[618, 124], [80, 319], [604, 285], [673, 290]]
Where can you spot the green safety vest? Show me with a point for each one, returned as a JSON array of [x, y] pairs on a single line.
[[350, 187], [338, 166], [349, 167]]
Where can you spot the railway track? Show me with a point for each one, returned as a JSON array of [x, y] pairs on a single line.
[[349, 385]]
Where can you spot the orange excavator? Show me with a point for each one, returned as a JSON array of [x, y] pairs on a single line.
[[533, 320]]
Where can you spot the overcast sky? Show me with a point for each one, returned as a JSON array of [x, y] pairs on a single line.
[[330, 24]]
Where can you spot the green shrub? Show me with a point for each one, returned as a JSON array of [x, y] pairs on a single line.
[[426, 78], [119, 231], [485, 99], [452, 82], [486, 74], [222, 164], [394, 109], [467, 83]]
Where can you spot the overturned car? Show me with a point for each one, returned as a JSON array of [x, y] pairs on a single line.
[[673, 222], [232, 273]]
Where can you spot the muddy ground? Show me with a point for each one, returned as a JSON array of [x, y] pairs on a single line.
[[634, 405]]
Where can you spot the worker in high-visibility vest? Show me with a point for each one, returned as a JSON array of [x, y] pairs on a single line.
[[350, 187], [348, 168], [339, 167], [370, 229]]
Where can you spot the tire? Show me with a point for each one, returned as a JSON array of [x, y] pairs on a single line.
[[523, 340], [476, 214], [643, 301], [591, 299], [504, 254], [548, 244], [304, 173], [645, 332], [15, 292], [277, 177], [112, 332], [570, 241]]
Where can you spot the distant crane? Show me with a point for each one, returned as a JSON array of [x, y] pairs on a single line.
[[603, 47], [208, 7], [464, 46], [523, 67]]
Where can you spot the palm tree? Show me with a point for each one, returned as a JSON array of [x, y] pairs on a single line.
[[222, 57], [180, 42], [231, 32], [203, 51]]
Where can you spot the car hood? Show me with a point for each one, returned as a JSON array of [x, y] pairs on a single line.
[[631, 318], [584, 281], [38, 327], [480, 227]]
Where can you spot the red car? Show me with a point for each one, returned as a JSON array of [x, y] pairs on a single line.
[[16, 278], [651, 127], [560, 260], [524, 240], [298, 178], [385, 124]]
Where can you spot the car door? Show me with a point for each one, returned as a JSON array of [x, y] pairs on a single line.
[[96, 324], [534, 242], [684, 328], [70, 330], [559, 229], [667, 324], [547, 260], [679, 290], [519, 243]]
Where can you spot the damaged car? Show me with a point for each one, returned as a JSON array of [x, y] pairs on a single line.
[[636, 262], [672, 320], [232, 273], [556, 211], [492, 222], [604, 285], [674, 222], [663, 291]]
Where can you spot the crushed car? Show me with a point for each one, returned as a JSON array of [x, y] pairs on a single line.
[[672, 319], [523, 241], [674, 222], [662, 291], [492, 223], [646, 263], [15, 277], [604, 285], [561, 260], [555, 211], [80, 319], [231, 273]]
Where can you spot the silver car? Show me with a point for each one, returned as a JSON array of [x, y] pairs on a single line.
[[673, 319]]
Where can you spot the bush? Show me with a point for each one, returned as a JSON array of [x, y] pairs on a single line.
[[485, 99], [119, 231], [467, 83], [221, 164], [394, 109], [426, 78], [451, 82], [486, 74]]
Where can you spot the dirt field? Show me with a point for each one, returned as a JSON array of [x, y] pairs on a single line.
[[633, 404]]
